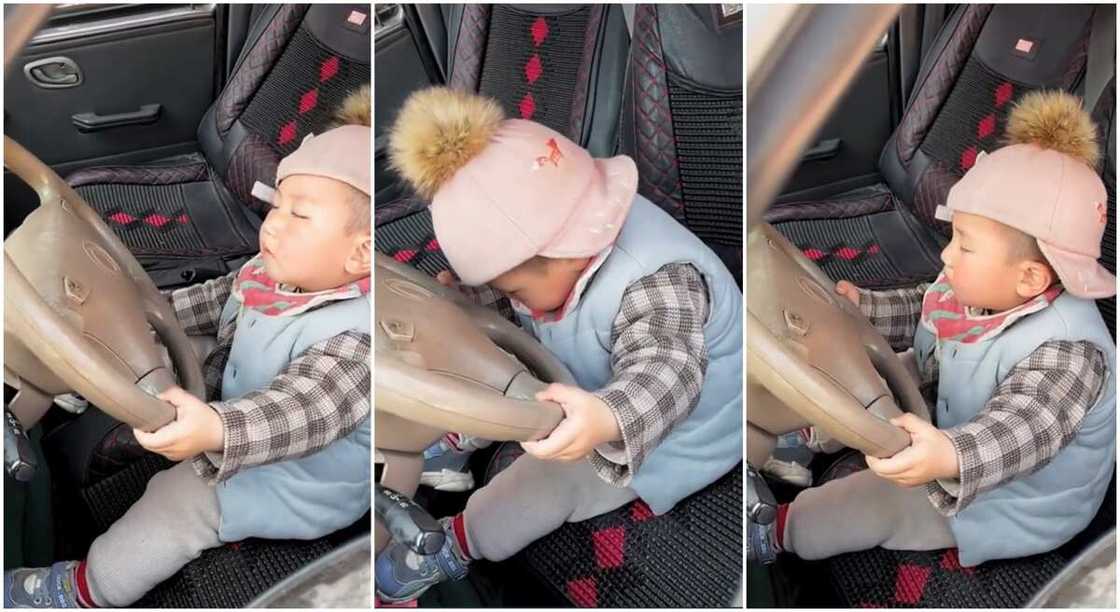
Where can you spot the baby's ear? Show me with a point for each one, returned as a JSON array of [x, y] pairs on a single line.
[[361, 255], [1035, 277]]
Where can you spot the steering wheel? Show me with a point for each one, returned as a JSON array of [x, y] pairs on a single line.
[[77, 304], [451, 365], [817, 354]]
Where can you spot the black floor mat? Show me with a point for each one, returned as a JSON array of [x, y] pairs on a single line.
[[689, 557], [905, 579], [233, 575], [935, 579]]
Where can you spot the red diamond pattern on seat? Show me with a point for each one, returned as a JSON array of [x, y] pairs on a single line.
[[533, 69], [539, 30], [308, 100], [156, 220], [404, 255], [150, 217], [986, 126], [287, 133], [528, 106], [1003, 93], [844, 252], [968, 158], [328, 69]]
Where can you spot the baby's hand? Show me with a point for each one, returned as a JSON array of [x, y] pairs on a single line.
[[849, 291], [588, 423], [931, 455], [196, 428]]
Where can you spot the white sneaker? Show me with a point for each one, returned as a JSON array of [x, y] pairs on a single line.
[[445, 462], [789, 471], [72, 403], [448, 480]]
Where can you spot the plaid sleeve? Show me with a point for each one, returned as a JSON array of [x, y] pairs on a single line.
[[199, 307], [1035, 412], [894, 312], [320, 397], [658, 361]]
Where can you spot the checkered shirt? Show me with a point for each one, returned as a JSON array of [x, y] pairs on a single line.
[[321, 396], [1033, 414]]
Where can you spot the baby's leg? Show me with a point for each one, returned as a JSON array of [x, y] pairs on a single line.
[[859, 512], [531, 499], [173, 522]]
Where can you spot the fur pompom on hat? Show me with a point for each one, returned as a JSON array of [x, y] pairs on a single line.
[[1054, 120], [437, 132], [356, 109]]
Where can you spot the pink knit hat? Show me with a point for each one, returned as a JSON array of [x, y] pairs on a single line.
[[1044, 186], [341, 154], [503, 191]]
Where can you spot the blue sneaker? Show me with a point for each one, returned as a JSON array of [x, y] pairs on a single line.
[[42, 587], [445, 463], [402, 575]]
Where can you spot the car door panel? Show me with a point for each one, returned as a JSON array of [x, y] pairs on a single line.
[[162, 58]]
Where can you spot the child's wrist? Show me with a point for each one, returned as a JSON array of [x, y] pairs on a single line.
[[950, 465], [216, 439]]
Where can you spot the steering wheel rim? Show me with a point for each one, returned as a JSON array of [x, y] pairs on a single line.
[[444, 362], [817, 353]]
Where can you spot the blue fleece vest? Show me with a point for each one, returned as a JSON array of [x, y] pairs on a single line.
[[1041, 511], [301, 498], [708, 443]]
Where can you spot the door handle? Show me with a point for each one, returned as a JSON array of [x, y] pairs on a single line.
[[92, 122], [53, 73]]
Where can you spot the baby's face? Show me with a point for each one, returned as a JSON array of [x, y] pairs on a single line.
[[305, 240], [980, 263], [541, 286]]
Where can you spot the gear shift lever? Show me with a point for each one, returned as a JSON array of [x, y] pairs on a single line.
[[19, 459], [407, 522]]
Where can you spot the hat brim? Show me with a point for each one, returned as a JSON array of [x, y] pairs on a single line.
[[595, 223], [1080, 274]]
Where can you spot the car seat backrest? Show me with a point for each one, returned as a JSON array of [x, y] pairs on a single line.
[[985, 60], [298, 64], [683, 116], [561, 66]]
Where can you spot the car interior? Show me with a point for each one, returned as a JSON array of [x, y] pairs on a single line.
[[859, 205], [161, 118], [661, 83]]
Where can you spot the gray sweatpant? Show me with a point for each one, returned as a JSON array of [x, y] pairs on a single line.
[[862, 511], [532, 498], [173, 522]]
